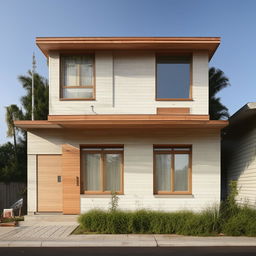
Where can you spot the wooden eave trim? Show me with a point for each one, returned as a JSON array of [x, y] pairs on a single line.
[[117, 123], [127, 117], [47, 44], [129, 39]]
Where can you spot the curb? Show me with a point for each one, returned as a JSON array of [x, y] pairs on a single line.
[[118, 243]]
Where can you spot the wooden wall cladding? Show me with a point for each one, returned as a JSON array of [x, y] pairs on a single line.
[[71, 179], [173, 111]]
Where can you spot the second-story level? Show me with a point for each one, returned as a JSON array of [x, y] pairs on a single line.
[[128, 75]]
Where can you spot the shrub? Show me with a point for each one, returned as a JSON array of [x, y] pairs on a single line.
[[230, 219], [149, 222], [113, 201], [243, 223]]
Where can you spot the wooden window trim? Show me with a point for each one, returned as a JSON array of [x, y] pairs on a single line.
[[61, 77], [190, 98], [172, 153], [103, 153]]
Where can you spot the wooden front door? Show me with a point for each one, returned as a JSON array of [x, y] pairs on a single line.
[[49, 183], [71, 179]]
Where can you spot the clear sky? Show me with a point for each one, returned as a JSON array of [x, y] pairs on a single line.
[[23, 20]]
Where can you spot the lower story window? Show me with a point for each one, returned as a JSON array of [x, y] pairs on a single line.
[[172, 169], [102, 170]]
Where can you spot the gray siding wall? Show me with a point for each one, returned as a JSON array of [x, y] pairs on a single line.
[[241, 162]]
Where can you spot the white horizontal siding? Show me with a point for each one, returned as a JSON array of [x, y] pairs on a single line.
[[242, 165], [133, 78], [138, 165]]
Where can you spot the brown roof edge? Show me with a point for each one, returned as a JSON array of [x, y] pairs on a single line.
[[124, 123], [47, 44], [40, 39]]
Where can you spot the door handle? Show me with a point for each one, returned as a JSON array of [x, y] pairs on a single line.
[[77, 181]]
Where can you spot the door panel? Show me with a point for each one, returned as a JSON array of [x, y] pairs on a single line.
[[71, 179], [49, 187]]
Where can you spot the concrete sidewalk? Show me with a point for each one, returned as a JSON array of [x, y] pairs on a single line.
[[130, 241], [58, 234]]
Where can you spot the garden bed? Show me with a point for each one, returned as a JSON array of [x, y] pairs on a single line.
[[228, 219]]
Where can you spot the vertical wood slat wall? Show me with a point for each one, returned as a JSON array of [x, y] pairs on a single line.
[[71, 179]]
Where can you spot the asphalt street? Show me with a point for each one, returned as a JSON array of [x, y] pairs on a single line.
[[131, 251]]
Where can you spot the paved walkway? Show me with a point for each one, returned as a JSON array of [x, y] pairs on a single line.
[[59, 235], [42, 231]]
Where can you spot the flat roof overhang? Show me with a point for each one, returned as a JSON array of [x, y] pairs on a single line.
[[48, 44], [122, 122]]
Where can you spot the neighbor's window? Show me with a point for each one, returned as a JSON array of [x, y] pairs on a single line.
[[77, 77], [102, 170], [172, 170], [173, 78]]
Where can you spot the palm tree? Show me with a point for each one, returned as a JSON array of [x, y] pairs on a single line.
[[41, 93], [13, 113], [217, 82]]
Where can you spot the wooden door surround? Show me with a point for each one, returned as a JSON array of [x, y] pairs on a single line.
[[71, 179]]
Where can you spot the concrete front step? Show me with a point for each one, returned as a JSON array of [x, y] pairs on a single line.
[[50, 218]]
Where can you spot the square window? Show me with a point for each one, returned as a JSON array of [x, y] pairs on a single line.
[[172, 170], [173, 78], [102, 170], [77, 77]]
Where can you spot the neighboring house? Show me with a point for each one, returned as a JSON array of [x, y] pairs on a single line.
[[239, 153], [126, 115]]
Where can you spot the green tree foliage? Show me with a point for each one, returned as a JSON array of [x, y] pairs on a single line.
[[13, 167], [41, 96], [13, 158], [217, 82]]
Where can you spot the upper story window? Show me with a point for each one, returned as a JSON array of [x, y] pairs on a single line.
[[173, 78], [77, 77]]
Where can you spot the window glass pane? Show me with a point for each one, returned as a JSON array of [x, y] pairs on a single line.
[[91, 149], [181, 149], [113, 149], [86, 70], [70, 71], [173, 78], [163, 172], [181, 163], [162, 149], [112, 168], [77, 93], [92, 172]]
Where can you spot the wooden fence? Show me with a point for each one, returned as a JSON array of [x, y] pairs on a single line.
[[10, 193]]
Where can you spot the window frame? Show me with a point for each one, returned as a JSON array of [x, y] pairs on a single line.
[[61, 77], [100, 150], [190, 98], [172, 153]]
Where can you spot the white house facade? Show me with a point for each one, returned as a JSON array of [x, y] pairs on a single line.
[[126, 115]]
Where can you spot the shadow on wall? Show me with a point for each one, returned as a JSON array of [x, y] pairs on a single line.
[[238, 152]]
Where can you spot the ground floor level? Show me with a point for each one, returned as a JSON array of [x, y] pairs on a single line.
[[71, 171]]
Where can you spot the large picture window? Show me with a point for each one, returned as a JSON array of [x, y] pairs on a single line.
[[173, 78], [77, 77], [102, 170], [172, 169]]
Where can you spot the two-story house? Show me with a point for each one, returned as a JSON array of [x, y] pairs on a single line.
[[126, 115]]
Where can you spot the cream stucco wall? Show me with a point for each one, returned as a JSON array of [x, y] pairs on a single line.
[[125, 84], [138, 165]]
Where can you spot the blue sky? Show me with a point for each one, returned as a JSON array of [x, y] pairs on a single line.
[[234, 21]]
